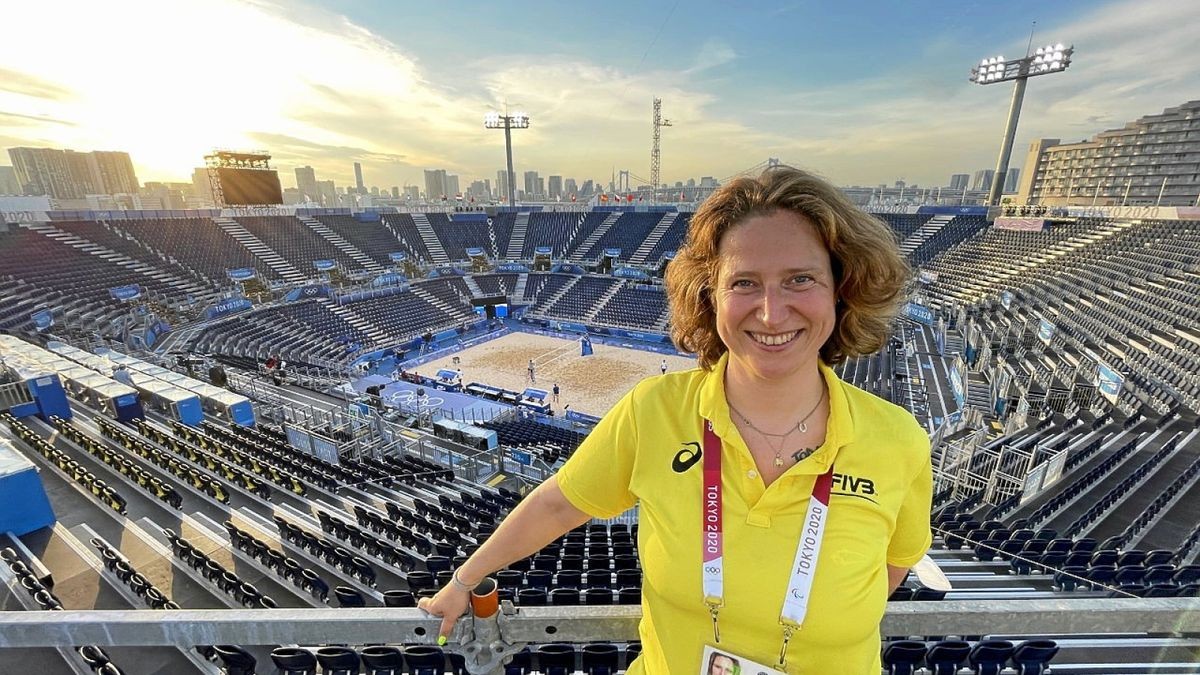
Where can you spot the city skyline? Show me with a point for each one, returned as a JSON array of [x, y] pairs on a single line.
[[328, 86]]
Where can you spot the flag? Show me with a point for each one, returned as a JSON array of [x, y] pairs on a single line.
[[585, 346], [629, 197]]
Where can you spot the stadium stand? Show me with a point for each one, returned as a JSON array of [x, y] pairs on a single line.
[[159, 514]]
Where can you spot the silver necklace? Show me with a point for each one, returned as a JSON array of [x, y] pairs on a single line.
[[801, 426]]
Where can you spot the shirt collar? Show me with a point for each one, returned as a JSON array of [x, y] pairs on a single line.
[[839, 431]]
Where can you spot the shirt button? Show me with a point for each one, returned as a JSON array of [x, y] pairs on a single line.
[[752, 474]]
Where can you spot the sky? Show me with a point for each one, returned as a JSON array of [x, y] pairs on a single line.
[[862, 92]]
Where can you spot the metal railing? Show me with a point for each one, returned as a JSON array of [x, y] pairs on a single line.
[[508, 631]]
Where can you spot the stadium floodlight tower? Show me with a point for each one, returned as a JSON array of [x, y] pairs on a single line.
[[495, 120], [1044, 61]]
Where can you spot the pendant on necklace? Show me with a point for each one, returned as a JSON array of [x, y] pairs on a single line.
[[778, 460], [803, 427]]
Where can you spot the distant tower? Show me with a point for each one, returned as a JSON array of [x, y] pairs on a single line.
[[358, 182], [655, 155]]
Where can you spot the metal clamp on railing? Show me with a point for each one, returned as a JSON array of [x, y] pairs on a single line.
[[481, 641]]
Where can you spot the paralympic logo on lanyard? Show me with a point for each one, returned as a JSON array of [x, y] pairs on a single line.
[[808, 548]]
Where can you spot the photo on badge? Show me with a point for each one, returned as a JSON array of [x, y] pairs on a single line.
[[719, 662]]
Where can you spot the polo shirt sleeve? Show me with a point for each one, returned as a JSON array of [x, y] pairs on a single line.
[[913, 536], [597, 477]]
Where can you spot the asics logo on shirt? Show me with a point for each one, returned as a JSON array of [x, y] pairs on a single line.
[[853, 486], [687, 457]]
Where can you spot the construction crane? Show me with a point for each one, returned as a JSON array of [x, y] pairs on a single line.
[[655, 154]]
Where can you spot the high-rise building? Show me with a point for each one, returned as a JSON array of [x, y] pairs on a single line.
[[554, 187], [44, 171], [9, 185], [202, 186], [412, 193], [570, 188], [502, 184], [306, 183], [166, 195], [531, 185], [983, 179], [395, 192], [66, 174], [1151, 161], [452, 186], [116, 172], [1011, 179], [358, 179], [328, 193], [589, 186], [541, 187], [435, 185], [85, 174], [960, 181]]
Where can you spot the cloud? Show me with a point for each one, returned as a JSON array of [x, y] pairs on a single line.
[[17, 119], [713, 53], [27, 85], [316, 88]]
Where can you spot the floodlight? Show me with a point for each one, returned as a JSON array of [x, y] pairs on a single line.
[[494, 120], [995, 69]]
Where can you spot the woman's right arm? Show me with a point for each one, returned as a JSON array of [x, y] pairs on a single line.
[[542, 517]]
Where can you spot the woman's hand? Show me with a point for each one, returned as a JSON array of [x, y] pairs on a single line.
[[450, 603]]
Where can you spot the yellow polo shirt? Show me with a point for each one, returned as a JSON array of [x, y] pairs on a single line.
[[647, 450]]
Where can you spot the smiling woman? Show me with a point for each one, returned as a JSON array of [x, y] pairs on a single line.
[[749, 539]]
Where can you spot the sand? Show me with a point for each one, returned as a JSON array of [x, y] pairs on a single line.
[[588, 384]]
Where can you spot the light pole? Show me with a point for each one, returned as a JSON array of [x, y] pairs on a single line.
[[495, 120], [1046, 60]]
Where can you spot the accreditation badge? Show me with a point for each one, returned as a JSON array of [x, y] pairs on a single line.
[[721, 662]]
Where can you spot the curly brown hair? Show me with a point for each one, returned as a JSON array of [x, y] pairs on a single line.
[[869, 273]]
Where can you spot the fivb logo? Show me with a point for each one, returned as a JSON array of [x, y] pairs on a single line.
[[854, 486]]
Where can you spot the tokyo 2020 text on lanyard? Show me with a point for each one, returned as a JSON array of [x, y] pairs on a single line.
[[804, 566]]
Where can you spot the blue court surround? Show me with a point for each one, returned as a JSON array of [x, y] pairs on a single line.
[[451, 404]]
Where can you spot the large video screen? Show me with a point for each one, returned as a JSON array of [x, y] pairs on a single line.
[[250, 187]]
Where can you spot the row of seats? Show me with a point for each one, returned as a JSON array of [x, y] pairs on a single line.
[[93, 656], [226, 580], [986, 657], [162, 491], [139, 584], [274, 560], [104, 492], [1104, 503]]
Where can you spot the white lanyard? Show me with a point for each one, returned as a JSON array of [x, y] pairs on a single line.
[[804, 566]]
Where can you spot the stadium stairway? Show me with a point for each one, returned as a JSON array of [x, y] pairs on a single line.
[[639, 256], [924, 232], [341, 244], [259, 249], [357, 321], [516, 243], [476, 291], [519, 290], [549, 302], [435, 300], [601, 302], [595, 236], [432, 243]]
